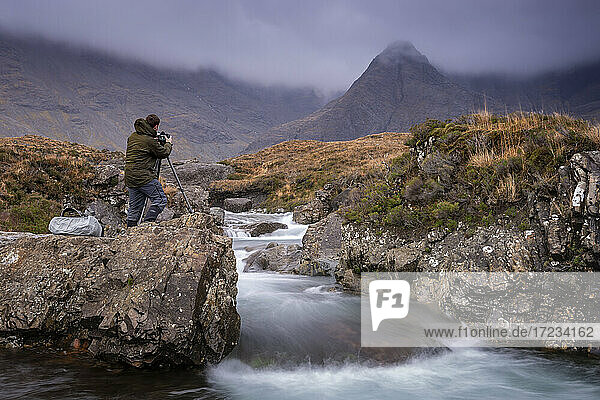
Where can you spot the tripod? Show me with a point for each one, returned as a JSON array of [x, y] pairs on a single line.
[[157, 169]]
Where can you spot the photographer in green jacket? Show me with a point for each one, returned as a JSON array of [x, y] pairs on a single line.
[[143, 149]]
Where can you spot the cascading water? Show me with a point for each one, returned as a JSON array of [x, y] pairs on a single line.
[[301, 340]]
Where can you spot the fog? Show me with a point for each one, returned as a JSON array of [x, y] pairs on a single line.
[[324, 44]]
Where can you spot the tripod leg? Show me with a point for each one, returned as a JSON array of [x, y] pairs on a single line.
[[187, 202]]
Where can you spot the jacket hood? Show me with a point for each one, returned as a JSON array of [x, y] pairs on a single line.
[[143, 127]]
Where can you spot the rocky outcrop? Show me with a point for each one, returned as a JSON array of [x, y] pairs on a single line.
[[195, 178], [196, 173], [500, 247], [276, 257], [563, 234], [317, 208], [110, 207], [158, 295], [237, 204], [567, 226], [321, 246]]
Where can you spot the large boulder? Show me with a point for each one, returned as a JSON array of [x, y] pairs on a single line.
[[196, 173], [237, 204], [262, 228], [158, 295], [321, 246], [276, 257]]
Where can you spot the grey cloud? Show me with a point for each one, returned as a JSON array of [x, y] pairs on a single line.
[[326, 44]]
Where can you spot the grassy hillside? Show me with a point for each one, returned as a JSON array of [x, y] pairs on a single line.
[[290, 172], [476, 167], [36, 174]]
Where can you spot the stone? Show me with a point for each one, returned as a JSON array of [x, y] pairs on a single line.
[[106, 174], [158, 295], [276, 257], [493, 248], [263, 228], [237, 204], [196, 173], [311, 212], [321, 246], [166, 215], [108, 215]]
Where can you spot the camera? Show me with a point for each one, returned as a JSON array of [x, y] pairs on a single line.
[[162, 137]]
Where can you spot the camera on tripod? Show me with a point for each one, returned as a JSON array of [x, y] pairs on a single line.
[[162, 137]]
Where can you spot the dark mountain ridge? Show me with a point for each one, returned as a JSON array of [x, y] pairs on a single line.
[[400, 88], [93, 98]]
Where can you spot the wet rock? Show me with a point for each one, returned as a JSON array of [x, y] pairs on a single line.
[[276, 257], [321, 246], [237, 204], [263, 228], [158, 295]]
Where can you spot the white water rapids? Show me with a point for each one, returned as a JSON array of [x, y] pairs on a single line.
[[301, 341]]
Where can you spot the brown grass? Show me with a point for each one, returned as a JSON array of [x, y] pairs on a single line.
[[37, 174], [510, 128], [291, 171]]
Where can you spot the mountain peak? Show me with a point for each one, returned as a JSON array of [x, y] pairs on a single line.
[[401, 50]]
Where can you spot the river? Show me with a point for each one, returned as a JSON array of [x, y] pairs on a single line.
[[301, 340]]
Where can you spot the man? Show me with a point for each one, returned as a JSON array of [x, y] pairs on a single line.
[[143, 149]]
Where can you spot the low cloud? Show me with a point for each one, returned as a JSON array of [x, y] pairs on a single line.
[[325, 44]]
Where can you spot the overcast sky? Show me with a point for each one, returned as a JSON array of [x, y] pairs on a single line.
[[327, 43]]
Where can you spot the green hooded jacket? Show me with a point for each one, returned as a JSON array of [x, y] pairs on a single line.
[[143, 149]]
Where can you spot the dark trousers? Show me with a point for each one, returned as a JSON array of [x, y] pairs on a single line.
[[137, 198]]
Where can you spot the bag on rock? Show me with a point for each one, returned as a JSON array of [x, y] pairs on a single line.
[[82, 225]]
